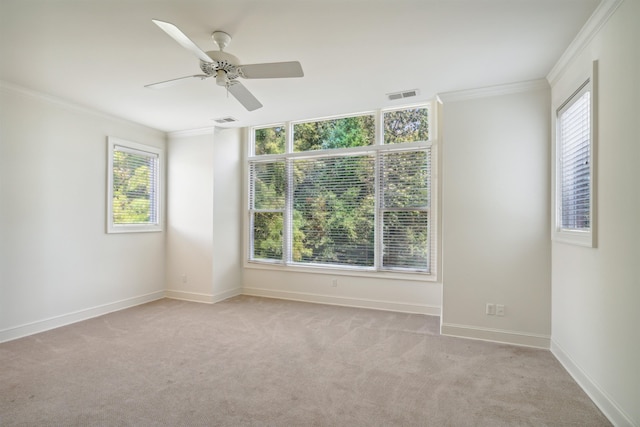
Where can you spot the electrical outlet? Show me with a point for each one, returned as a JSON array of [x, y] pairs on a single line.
[[184, 278], [334, 283], [491, 309], [499, 310]]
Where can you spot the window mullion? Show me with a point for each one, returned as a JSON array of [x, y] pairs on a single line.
[[288, 215], [377, 214]]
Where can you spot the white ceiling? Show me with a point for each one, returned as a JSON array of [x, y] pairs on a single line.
[[101, 53]]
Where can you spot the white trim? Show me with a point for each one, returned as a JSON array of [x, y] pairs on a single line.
[[585, 238], [192, 132], [525, 339], [76, 316], [414, 276], [189, 296], [485, 92], [600, 16], [200, 297], [603, 401], [344, 301], [68, 105]]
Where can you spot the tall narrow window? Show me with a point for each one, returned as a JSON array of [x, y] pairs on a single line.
[[405, 181], [133, 187], [574, 168], [266, 205]]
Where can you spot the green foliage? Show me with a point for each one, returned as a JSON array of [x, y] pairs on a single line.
[[334, 202], [346, 132], [405, 238], [267, 235], [269, 185], [406, 126], [132, 188], [270, 140]]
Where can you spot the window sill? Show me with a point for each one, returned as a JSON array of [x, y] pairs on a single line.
[[336, 271], [577, 238], [118, 229]]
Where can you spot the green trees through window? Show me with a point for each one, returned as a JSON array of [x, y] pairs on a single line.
[[315, 204], [133, 187]]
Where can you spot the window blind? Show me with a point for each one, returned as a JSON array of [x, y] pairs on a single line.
[[405, 187], [135, 182], [575, 168], [267, 200], [334, 210]]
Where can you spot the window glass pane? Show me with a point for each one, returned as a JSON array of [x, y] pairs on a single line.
[[268, 184], [346, 132], [405, 179], [333, 216], [409, 125], [134, 188], [269, 140], [405, 240], [575, 176], [267, 235]]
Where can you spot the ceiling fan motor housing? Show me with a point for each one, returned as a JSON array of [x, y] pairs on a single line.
[[221, 61]]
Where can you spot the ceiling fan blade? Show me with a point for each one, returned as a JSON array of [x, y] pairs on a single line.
[[172, 82], [243, 95], [271, 70], [181, 38]]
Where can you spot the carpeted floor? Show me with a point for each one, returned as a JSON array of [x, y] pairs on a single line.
[[253, 361]]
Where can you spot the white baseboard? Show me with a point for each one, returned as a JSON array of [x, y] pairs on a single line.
[[496, 335], [602, 400], [344, 301], [200, 297], [76, 316]]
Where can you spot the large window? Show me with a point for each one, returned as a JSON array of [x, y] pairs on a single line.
[[133, 200], [332, 193], [574, 168]]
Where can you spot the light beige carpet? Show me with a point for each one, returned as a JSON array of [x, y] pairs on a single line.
[[262, 362]]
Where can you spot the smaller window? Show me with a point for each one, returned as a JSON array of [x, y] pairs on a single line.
[[406, 125], [269, 140], [133, 191], [345, 132], [574, 168]]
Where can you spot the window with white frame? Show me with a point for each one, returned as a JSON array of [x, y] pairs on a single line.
[[574, 189], [350, 192], [133, 190]]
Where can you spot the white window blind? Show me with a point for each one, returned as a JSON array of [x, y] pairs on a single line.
[[334, 210], [574, 136], [267, 201], [404, 207]]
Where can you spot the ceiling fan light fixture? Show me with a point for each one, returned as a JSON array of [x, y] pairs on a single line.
[[221, 78]]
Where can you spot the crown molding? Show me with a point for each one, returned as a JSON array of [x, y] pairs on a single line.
[[600, 16], [68, 105], [209, 130], [485, 92]]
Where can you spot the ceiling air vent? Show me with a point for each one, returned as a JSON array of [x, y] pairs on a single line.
[[224, 120], [402, 94]]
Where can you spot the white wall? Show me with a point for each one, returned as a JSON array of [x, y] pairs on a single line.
[[203, 238], [57, 264], [379, 293], [227, 212], [495, 213], [596, 291]]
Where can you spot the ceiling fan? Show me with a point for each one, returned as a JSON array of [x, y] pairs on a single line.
[[226, 68]]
